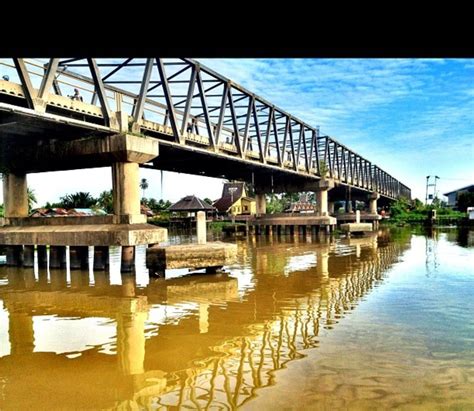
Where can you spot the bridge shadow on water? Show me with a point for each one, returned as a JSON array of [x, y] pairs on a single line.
[[80, 339]]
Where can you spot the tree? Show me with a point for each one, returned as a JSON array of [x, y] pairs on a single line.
[[106, 201], [143, 185], [31, 199], [78, 200], [323, 168], [418, 204], [399, 207], [274, 204]]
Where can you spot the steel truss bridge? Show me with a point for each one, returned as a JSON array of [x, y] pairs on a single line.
[[206, 124]]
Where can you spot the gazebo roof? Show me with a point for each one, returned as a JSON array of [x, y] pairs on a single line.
[[191, 203]]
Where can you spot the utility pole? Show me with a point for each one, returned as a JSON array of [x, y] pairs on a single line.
[[428, 184], [426, 196]]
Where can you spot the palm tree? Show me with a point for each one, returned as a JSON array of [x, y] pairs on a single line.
[[105, 201], [78, 200], [31, 199], [144, 186]]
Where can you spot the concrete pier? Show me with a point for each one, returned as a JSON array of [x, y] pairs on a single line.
[[126, 227], [261, 201], [194, 256], [79, 257], [28, 256], [42, 256], [201, 227], [128, 259], [373, 197], [101, 257], [15, 195], [57, 257], [290, 224], [14, 255]]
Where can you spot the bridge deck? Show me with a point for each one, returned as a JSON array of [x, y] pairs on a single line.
[[227, 132]]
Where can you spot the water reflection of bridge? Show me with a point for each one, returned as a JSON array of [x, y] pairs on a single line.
[[216, 349]]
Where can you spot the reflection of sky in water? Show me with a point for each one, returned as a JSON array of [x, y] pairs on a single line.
[[430, 294], [300, 263], [245, 279], [65, 334], [4, 340], [169, 314]]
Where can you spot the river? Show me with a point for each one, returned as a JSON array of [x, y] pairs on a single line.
[[384, 321]]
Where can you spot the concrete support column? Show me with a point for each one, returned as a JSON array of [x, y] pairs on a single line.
[[373, 197], [101, 257], [322, 202], [42, 256], [29, 256], [321, 193], [331, 207], [14, 255], [126, 189], [128, 258], [201, 227], [261, 203], [78, 257], [15, 195], [57, 256]]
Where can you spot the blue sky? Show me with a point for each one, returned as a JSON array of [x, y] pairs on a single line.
[[412, 117]]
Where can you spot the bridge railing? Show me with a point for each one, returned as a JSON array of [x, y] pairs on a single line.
[[182, 102]]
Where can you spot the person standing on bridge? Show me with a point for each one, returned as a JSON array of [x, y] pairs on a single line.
[[76, 95]]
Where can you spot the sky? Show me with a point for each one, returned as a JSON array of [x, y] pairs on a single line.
[[411, 117]]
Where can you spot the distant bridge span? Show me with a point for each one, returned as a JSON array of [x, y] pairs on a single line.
[[205, 123]]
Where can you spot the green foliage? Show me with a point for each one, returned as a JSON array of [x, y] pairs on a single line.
[[31, 199], [274, 204], [337, 206], [399, 207], [415, 211], [144, 185], [106, 201], [465, 200], [78, 200], [162, 219], [250, 190], [156, 206], [323, 168], [218, 226], [1, 210], [278, 204]]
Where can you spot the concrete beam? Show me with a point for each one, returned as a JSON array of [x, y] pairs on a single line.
[[191, 255], [55, 155], [94, 234]]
